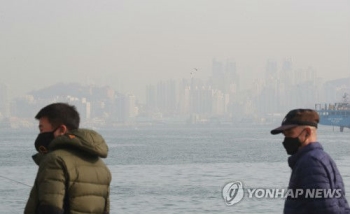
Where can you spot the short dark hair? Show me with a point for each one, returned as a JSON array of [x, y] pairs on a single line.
[[60, 114]]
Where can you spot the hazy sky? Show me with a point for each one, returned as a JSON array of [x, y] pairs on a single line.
[[128, 44]]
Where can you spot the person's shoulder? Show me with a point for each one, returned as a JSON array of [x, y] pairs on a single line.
[[50, 160], [56, 156], [317, 157], [318, 154], [311, 156]]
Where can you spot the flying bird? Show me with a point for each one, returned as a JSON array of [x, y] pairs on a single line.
[[194, 71]]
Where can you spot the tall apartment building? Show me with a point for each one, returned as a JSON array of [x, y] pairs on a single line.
[[151, 98], [224, 76], [201, 100], [167, 97], [126, 107], [220, 103]]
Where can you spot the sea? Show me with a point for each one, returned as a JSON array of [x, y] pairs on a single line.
[[177, 169]]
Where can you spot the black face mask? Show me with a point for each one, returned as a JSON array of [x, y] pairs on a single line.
[[43, 140], [292, 144]]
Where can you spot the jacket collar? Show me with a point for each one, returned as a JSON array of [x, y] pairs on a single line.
[[294, 158], [38, 158]]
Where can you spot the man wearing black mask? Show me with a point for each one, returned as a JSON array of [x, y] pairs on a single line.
[[72, 178], [315, 182]]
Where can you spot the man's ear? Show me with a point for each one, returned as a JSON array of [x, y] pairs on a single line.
[[308, 132], [63, 129]]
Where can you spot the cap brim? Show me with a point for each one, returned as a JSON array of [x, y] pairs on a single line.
[[282, 128]]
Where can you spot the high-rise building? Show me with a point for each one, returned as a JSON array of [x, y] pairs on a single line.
[[217, 68], [287, 73], [151, 98], [271, 71], [184, 97], [230, 67], [166, 97], [201, 100], [285, 83], [219, 103], [162, 97], [126, 107], [224, 76]]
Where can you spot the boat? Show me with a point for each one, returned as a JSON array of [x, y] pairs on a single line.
[[336, 114]]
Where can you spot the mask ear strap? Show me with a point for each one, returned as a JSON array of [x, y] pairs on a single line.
[[301, 133], [55, 129]]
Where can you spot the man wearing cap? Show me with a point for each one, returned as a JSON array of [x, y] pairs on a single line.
[[315, 180]]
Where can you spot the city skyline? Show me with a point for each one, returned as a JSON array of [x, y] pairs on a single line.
[[220, 97], [192, 73]]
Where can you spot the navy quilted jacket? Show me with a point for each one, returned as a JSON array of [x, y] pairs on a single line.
[[313, 170]]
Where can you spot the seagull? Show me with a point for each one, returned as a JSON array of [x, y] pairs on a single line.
[[194, 71]]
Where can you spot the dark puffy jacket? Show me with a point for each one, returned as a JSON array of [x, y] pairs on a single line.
[[314, 170], [72, 178]]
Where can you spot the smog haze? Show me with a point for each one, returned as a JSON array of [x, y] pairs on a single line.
[[129, 44]]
